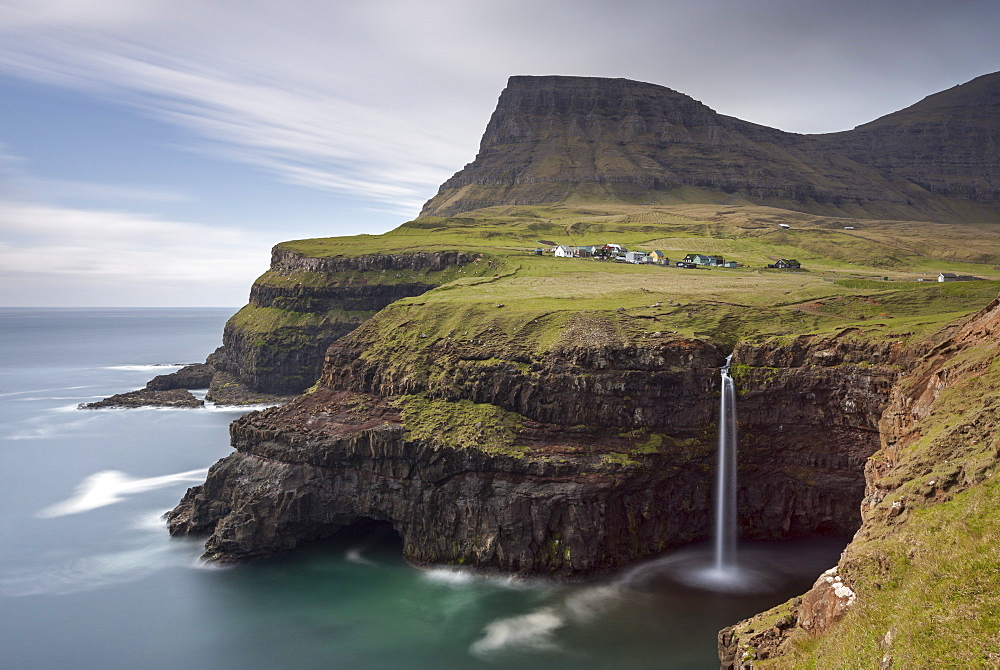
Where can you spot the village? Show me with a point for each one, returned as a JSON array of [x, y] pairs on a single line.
[[618, 253]]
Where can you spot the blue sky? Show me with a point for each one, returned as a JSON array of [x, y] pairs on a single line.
[[152, 152]]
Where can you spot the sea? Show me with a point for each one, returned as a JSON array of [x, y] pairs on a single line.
[[90, 578]]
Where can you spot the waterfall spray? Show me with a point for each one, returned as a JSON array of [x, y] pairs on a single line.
[[725, 483]]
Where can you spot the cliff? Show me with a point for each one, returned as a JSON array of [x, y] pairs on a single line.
[[303, 303], [569, 460], [589, 139], [916, 586]]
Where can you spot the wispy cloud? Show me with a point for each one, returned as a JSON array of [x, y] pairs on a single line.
[[307, 125], [123, 252]]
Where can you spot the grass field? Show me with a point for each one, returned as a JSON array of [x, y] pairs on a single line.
[[865, 277]]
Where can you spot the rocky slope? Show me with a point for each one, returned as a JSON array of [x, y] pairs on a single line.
[[556, 138], [923, 555], [569, 461]]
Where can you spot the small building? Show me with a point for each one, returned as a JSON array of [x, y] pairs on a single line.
[[704, 259], [730, 264], [562, 251], [788, 264], [848, 227], [538, 251], [635, 256], [951, 276], [657, 256], [784, 225]]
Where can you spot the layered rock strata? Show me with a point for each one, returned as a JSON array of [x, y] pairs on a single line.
[[937, 444], [612, 459], [302, 304], [553, 138]]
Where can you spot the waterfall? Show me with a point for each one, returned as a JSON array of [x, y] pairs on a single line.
[[725, 483]]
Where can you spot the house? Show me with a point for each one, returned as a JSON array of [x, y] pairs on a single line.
[[951, 276], [582, 252], [562, 251], [614, 249], [658, 257], [788, 264], [730, 264], [635, 256], [704, 259], [538, 251]]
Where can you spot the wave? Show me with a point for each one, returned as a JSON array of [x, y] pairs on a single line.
[[533, 631], [61, 388], [353, 555], [153, 366], [111, 486]]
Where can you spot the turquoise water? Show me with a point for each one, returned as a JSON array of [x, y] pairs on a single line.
[[89, 577]]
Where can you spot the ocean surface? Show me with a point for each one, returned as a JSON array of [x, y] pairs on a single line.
[[89, 577]]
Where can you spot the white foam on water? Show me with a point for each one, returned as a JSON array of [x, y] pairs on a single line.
[[111, 486], [536, 630], [162, 367], [696, 568], [42, 427], [452, 576], [212, 407], [353, 555], [153, 521], [61, 388], [533, 631], [585, 605], [449, 575]]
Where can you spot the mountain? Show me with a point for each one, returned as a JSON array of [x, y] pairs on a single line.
[[505, 410], [585, 139]]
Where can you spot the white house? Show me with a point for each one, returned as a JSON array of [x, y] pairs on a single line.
[[562, 251], [947, 276]]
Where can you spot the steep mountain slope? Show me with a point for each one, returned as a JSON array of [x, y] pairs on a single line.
[[584, 139], [948, 143]]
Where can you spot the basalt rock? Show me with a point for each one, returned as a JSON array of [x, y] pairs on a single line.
[[319, 464], [597, 139], [147, 398], [276, 343], [612, 461], [195, 376], [226, 389], [933, 448]]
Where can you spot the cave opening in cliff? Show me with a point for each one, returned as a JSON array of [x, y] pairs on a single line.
[[364, 541]]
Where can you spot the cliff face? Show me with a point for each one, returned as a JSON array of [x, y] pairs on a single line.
[[276, 343], [601, 455], [948, 143], [924, 552], [554, 138]]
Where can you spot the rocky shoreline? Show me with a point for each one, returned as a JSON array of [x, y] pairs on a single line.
[[174, 390]]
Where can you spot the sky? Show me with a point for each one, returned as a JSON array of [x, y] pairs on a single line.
[[153, 151]]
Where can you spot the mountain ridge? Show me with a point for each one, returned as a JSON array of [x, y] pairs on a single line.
[[556, 138]]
